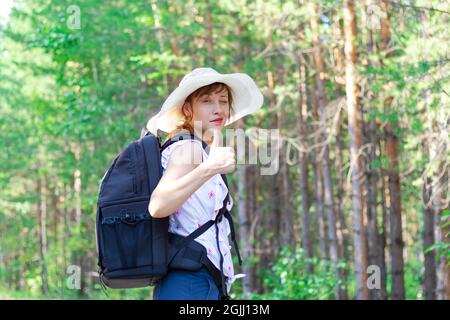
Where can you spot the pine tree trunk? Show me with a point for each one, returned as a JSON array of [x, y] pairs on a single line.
[[318, 186], [62, 221], [42, 221], [383, 241], [384, 236], [340, 192], [283, 180], [303, 166], [428, 241], [248, 268], [244, 223], [276, 217], [79, 259], [395, 215], [375, 249], [354, 127], [436, 183], [327, 179], [246, 191], [244, 228], [374, 240], [318, 180], [342, 231], [440, 193], [442, 271]]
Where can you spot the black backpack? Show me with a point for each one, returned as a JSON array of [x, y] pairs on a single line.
[[134, 249]]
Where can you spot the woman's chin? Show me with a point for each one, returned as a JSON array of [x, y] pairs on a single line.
[[213, 125]]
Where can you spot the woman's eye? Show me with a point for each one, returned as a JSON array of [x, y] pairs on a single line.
[[223, 101]]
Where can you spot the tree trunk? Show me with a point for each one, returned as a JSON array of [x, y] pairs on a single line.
[[303, 166], [440, 193], [428, 240], [374, 238], [375, 242], [385, 242], [244, 228], [244, 223], [42, 221], [62, 221], [354, 128], [327, 179], [276, 217], [79, 259], [245, 190], [317, 172], [342, 231], [248, 268], [340, 192], [392, 201], [442, 271], [318, 181], [436, 183], [283, 179], [395, 214], [56, 234], [318, 186]]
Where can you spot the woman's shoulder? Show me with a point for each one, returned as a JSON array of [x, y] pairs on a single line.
[[183, 152]]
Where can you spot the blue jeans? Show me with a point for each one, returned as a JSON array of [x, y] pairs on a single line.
[[187, 285]]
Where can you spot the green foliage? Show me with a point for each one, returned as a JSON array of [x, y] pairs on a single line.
[[289, 277], [70, 99]]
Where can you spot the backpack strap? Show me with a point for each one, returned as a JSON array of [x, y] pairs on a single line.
[[231, 223], [223, 212], [199, 231], [184, 242], [210, 223], [182, 136], [144, 132]]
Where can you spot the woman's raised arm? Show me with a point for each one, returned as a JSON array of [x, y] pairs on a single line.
[[180, 180]]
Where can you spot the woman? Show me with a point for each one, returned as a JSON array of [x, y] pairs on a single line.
[[204, 102]]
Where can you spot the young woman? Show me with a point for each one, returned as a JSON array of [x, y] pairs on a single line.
[[204, 102]]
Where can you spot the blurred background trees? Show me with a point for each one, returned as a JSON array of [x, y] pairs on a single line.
[[358, 89]]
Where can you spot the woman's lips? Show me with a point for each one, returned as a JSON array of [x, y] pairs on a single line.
[[216, 121]]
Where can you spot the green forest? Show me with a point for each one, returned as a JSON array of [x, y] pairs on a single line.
[[359, 91]]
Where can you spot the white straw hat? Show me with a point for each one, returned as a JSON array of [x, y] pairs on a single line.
[[247, 98]]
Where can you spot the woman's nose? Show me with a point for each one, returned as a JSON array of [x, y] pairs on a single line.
[[217, 108]]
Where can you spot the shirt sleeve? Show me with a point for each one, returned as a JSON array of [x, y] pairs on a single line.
[[165, 155]]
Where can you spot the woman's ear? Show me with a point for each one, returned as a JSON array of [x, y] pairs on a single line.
[[187, 110]]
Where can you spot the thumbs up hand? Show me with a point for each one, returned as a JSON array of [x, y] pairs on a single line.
[[221, 160]]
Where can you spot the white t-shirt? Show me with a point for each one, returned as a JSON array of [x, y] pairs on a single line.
[[203, 205]]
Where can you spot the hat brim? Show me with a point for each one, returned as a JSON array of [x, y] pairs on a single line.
[[247, 99]]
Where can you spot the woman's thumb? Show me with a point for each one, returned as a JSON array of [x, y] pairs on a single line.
[[217, 136]]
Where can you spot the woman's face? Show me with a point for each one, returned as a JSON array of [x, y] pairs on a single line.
[[212, 110]]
